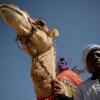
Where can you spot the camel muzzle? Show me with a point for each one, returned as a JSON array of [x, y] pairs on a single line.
[[10, 7]]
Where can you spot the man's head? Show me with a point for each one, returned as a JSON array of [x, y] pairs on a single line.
[[91, 58], [62, 60]]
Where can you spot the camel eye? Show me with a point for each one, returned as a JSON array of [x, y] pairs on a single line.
[[41, 23]]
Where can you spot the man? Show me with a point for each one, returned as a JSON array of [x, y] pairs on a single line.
[[90, 89], [62, 65]]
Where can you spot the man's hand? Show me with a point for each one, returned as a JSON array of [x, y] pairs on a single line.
[[58, 88]]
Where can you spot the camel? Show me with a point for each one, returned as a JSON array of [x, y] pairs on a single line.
[[38, 42]]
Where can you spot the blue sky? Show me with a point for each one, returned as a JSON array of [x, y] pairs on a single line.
[[78, 22]]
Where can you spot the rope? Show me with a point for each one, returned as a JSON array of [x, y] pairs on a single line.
[[41, 62], [49, 74]]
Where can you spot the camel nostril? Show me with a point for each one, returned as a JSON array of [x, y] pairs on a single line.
[[2, 11], [0, 6]]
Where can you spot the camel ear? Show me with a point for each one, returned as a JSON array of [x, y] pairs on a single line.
[[54, 32]]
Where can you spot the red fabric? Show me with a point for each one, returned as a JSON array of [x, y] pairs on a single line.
[[42, 98], [67, 75], [71, 76]]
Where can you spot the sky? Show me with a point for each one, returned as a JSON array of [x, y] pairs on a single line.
[[78, 22]]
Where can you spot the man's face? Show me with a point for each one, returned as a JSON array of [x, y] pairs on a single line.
[[93, 61], [62, 62]]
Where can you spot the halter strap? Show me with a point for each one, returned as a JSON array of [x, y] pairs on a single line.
[[38, 59]]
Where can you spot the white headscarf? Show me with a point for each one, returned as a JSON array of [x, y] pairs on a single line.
[[86, 50]]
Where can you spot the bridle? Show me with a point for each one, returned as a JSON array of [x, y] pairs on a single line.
[[26, 39]]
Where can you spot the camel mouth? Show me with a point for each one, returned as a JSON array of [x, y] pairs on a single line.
[[11, 7]]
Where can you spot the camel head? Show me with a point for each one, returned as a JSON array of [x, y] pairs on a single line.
[[19, 20]]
